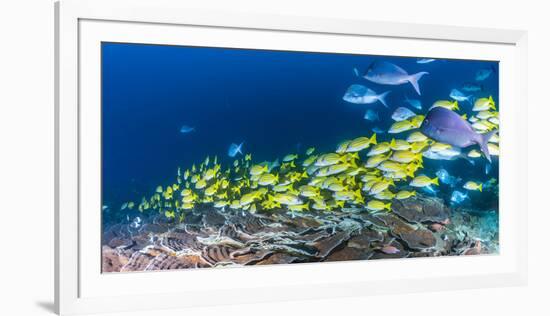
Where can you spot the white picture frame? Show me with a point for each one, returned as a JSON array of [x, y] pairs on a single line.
[[81, 288]]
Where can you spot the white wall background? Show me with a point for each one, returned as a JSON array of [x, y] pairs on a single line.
[[26, 156]]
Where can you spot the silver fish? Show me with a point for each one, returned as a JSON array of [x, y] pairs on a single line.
[[484, 73], [446, 178], [401, 114], [359, 94], [425, 60], [186, 129], [471, 87], [415, 103], [452, 153], [383, 72], [371, 115], [459, 96], [273, 165], [430, 190], [235, 149], [458, 197]]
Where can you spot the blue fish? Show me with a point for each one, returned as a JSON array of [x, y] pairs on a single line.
[[186, 129], [378, 130], [415, 103], [449, 127], [429, 190], [371, 115], [273, 165], [484, 73], [458, 197], [424, 60], [383, 72], [471, 87], [459, 96], [445, 177], [356, 72], [401, 114], [235, 149], [359, 94]]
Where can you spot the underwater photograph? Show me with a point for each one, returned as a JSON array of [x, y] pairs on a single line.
[[216, 157]]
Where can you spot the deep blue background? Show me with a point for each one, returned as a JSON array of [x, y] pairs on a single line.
[[276, 102]]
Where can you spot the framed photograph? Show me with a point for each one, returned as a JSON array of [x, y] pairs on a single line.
[[211, 157]]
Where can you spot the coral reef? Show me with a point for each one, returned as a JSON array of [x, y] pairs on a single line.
[[416, 227]]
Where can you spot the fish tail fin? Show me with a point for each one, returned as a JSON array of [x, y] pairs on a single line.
[[239, 148], [492, 103], [413, 79], [435, 181], [372, 139], [480, 187], [387, 206], [382, 98], [483, 141], [409, 172]]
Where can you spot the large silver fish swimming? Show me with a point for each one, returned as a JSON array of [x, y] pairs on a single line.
[[383, 72], [448, 127]]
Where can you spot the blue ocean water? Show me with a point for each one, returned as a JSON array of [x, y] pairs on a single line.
[[276, 102]]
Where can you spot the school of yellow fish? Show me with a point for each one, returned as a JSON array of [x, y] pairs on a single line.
[[360, 173]]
